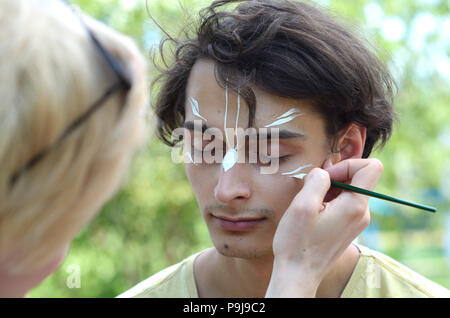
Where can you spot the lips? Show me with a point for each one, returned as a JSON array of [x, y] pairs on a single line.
[[237, 224]]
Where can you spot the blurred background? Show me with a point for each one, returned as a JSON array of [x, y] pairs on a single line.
[[154, 220]]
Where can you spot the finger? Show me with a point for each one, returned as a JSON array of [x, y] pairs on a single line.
[[332, 192], [363, 173], [310, 198]]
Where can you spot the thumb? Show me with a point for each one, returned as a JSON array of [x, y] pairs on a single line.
[[311, 196]]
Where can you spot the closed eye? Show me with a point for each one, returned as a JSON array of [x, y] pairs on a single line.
[[265, 160]]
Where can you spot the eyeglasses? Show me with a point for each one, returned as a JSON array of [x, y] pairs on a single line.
[[122, 83]]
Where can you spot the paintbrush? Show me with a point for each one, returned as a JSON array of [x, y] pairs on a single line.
[[351, 188]]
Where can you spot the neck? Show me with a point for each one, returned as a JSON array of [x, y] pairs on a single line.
[[223, 276]]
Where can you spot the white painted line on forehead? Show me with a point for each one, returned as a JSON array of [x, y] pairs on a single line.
[[286, 117], [231, 157], [226, 115], [237, 117], [195, 108]]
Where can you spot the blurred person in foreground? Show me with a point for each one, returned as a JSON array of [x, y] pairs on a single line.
[[289, 65], [73, 111]]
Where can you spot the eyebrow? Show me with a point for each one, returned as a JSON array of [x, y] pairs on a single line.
[[287, 134], [283, 133], [190, 125]]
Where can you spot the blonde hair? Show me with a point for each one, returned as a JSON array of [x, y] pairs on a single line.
[[50, 72]]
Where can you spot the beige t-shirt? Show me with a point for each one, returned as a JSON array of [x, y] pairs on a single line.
[[375, 275]]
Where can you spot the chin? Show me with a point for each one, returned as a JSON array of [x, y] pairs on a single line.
[[240, 247]]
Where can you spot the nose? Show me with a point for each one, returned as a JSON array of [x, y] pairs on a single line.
[[233, 186]]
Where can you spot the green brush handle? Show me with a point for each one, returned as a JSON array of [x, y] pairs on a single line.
[[351, 188]]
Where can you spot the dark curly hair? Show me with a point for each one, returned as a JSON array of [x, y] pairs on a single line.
[[290, 49]]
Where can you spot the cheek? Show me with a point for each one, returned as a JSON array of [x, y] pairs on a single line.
[[202, 181], [277, 198]]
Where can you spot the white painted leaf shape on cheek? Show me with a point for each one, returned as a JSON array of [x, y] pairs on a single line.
[[297, 170], [299, 176]]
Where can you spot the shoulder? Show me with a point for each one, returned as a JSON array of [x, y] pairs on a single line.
[[378, 275], [176, 281]]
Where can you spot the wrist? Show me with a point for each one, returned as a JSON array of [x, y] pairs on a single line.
[[291, 280]]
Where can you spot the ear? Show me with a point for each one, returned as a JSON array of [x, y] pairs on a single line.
[[351, 143]]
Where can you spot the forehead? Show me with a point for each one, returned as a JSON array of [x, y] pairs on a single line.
[[202, 81], [203, 87]]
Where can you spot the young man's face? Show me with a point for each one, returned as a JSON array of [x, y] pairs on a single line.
[[242, 206]]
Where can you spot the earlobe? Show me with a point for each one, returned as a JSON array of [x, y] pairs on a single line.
[[351, 144]]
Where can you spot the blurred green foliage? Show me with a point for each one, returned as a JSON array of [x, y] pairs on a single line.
[[154, 220]]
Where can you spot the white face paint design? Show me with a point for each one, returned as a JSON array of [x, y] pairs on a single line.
[[286, 117], [283, 119], [295, 174], [196, 111], [231, 157], [189, 156], [195, 108]]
